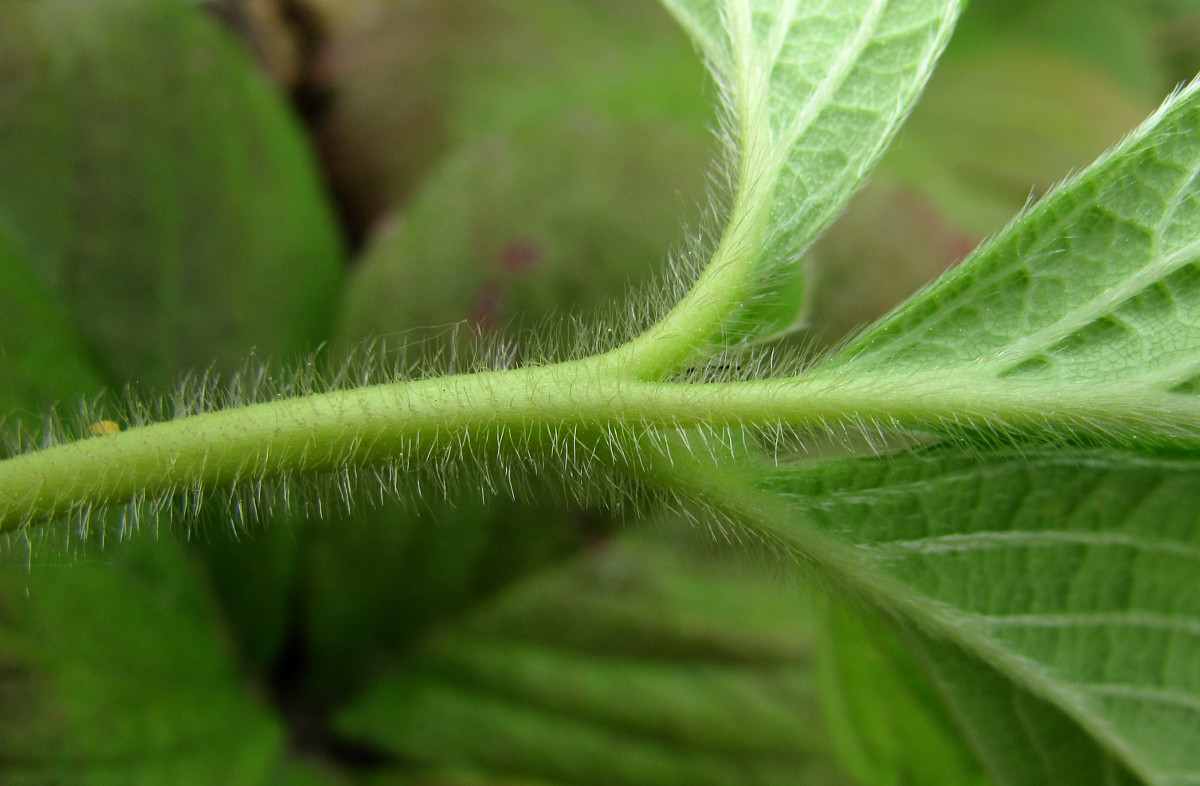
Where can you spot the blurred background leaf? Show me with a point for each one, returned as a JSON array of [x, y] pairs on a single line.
[[160, 213], [886, 720], [408, 82], [42, 360], [560, 219], [632, 664], [160, 188], [115, 671]]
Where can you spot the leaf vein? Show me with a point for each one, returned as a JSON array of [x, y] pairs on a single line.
[[1144, 694], [1022, 539], [834, 78], [1104, 304], [1149, 620]]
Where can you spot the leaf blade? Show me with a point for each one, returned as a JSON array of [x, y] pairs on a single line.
[[630, 665], [1061, 570], [1082, 287], [119, 672], [42, 359], [163, 190]]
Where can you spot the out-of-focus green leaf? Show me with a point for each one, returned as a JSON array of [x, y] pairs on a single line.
[[166, 199], [1114, 39], [1005, 122], [888, 723], [255, 579], [159, 187], [630, 666], [426, 570], [553, 220], [42, 360], [417, 80], [113, 671], [1177, 29]]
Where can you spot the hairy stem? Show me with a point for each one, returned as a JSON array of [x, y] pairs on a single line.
[[490, 412], [697, 318]]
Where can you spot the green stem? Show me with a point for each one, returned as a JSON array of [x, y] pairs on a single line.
[[696, 321], [408, 422]]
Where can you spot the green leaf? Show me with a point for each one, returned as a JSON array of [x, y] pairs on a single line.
[[424, 79], [1117, 39], [630, 666], [1085, 313], [887, 721], [159, 186], [1003, 120], [254, 578], [1050, 591], [428, 570], [171, 218], [814, 93], [42, 360], [114, 672], [560, 218]]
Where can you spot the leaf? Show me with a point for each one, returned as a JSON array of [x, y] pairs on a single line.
[[522, 226], [626, 667], [814, 93], [1084, 314], [1116, 39], [428, 570], [1071, 575], [160, 187], [1001, 120], [418, 81], [42, 360], [887, 721], [170, 213], [254, 579], [114, 671]]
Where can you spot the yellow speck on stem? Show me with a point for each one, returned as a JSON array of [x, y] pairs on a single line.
[[103, 427]]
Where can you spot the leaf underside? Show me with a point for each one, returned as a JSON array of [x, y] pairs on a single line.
[[1052, 588], [1097, 284], [1064, 571]]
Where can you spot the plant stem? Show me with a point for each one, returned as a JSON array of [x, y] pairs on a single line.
[[696, 321], [412, 421]]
